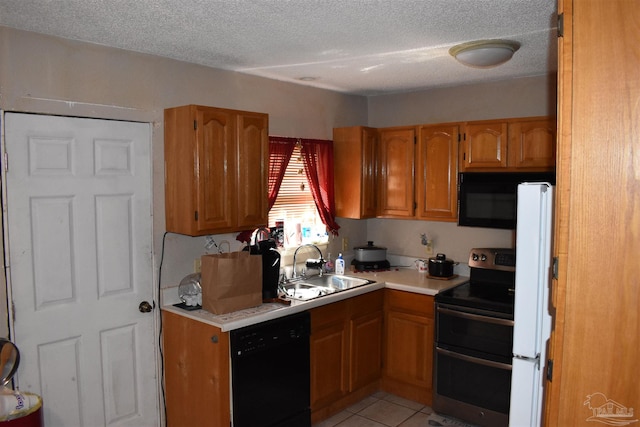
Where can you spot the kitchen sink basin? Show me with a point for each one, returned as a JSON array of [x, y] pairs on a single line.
[[304, 291], [306, 288]]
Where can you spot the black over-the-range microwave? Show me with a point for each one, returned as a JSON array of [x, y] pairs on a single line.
[[489, 200]]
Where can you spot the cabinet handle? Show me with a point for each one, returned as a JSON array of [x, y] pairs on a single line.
[[475, 360], [214, 339], [477, 317]]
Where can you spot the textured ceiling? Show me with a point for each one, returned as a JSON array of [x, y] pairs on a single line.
[[364, 47]]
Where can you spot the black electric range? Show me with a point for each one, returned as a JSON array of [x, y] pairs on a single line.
[[491, 284]]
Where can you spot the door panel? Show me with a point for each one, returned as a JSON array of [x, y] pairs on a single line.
[[79, 238], [396, 172]]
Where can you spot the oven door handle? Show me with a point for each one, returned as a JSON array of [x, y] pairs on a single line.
[[475, 360], [478, 317]]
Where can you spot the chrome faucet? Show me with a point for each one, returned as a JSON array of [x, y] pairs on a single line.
[[314, 264]]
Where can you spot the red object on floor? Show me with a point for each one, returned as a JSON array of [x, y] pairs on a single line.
[[32, 419]]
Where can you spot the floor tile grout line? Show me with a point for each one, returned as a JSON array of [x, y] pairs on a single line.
[[373, 399]]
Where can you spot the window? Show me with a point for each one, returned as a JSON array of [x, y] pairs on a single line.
[[296, 208]]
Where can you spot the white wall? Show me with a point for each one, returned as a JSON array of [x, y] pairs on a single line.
[[525, 97]]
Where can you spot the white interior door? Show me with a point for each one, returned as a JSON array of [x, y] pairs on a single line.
[[79, 206]]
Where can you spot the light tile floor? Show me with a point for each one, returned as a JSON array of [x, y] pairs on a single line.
[[381, 410]]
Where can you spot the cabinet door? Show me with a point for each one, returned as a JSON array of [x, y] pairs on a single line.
[[485, 146], [396, 154], [180, 170], [368, 200], [366, 349], [252, 171], [329, 346], [354, 151], [196, 372], [437, 173], [216, 161], [365, 327], [532, 144], [408, 347]]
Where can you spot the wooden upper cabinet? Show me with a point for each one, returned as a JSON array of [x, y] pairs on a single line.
[[354, 152], [253, 170], [216, 166], [214, 156], [437, 172], [509, 145], [395, 168], [532, 144], [484, 146]]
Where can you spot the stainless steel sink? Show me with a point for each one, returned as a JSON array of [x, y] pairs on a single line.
[[306, 288]]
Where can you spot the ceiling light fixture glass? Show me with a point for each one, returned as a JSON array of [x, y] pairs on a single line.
[[484, 53]]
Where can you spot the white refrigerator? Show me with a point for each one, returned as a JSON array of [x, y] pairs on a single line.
[[532, 320]]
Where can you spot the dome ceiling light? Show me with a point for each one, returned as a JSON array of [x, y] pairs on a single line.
[[484, 53]]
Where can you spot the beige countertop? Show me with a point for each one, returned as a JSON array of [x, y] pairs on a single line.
[[410, 280], [403, 279]]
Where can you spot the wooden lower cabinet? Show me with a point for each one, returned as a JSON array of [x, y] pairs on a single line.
[[356, 350], [408, 342], [346, 353], [196, 372]]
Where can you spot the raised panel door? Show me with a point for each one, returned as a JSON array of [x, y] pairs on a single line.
[[196, 372], [408, 346], [395, 165], [354, 152], [532, 144], [437, 172], [368, 200], [252, 171], [485, 146], [328, 363], [366, 349], [79, 240], [216, 161]]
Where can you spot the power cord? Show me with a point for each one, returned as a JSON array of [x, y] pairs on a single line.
[[164, 397]]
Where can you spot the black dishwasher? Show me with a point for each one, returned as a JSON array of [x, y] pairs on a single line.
[[270, 373]]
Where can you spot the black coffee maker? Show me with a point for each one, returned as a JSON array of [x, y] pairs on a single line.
[[268, 249]]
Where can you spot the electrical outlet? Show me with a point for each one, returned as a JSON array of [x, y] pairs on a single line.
[[345, 244], [197, 265], [428, 248], [427, 243]]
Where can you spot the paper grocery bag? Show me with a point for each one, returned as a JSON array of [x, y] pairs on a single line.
[[231, 281]]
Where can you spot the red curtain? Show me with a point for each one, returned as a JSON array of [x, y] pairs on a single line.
[[318, 161], [280, 149]]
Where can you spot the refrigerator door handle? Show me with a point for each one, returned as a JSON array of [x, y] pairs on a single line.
[[535, 359]]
